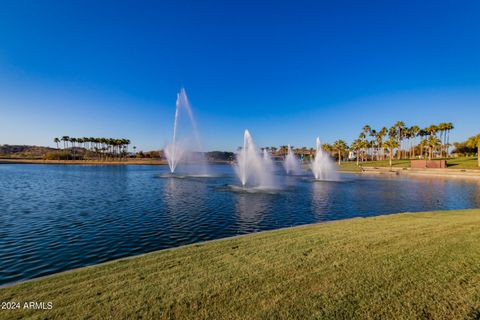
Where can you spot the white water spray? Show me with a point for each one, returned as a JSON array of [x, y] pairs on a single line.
[[291, 163], [189, 148], [322, 166], [253, 168]]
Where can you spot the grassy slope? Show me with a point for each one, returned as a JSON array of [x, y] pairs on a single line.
[[405, 266], [463, 163], [454, 163], [352, 165]]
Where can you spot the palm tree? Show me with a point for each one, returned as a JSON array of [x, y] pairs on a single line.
[[474, 142], [65, 140], [373, 135], [356, 146], [382, 133], [328, 148], [407, 135], [73, 141], [57, 141], [442, 128], [432, 143], [423, 146], [340, 146], [432, 132], [422, 134], [362, 136], [283, 150], [414, 130], [366, 130], [399, 127], [391, 144], [449, 128]]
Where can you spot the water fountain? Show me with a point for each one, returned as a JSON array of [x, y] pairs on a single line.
[[322, 166], [186, 148], [291, 163], [253, 168]]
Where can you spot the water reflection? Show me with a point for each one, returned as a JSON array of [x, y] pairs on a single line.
[[55, 218], [250, 210]]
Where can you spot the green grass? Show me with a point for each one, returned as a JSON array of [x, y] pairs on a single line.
[[404, 266], [352, 165], [463, 163], [452, 163]]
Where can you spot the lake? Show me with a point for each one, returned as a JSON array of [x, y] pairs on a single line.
[[58, 217]]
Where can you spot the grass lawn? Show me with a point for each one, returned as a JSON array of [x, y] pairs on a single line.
[[352, 165], [463, 163], [453, 163], [404, 266]]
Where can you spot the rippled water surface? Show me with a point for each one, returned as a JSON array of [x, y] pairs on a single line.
[[56, 217]]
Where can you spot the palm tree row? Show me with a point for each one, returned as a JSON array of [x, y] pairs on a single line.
[[100, 147], [398, 140], [402, 140]]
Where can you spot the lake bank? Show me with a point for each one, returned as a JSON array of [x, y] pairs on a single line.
[[85, 162], [94, 162], [397, 266], [439, 173], [370, 169]]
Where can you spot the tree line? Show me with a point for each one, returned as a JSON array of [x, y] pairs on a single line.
[[403, 141], [400, 141], [102, 148]]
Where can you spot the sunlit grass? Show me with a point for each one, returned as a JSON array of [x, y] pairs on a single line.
[[405, 266], [452, 163], [463, 163]]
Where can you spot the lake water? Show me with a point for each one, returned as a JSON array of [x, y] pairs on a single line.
[[56, 217]]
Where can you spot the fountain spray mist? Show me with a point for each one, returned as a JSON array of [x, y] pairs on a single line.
[[292, 163], [189, 148], [252, 168], [323, 167]]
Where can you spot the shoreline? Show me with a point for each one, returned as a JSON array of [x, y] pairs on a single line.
[[239, 236], [306, 261], [206, 242], [367, 170], [84, 162], [94, 162], [441, 173]]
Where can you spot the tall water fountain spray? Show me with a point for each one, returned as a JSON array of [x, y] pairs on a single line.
[[253, 168], [323, 167], [186, 148], [291, 163]]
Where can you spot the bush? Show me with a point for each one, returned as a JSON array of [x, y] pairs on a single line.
[[61, 155]]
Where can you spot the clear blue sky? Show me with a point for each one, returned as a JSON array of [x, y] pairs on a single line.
[[288, 71]]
